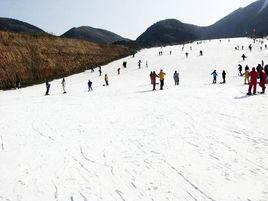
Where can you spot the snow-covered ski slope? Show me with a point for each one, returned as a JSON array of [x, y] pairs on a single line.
[[194, 142]]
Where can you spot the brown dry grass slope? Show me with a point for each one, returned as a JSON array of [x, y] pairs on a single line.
[[31, 58]]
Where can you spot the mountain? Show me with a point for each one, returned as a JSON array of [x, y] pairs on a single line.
[[91, 34], [239, 23], [12, 25], [170, 31]]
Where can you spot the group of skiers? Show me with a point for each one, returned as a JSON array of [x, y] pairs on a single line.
[[251, 77], [215, 75], [161, 75]]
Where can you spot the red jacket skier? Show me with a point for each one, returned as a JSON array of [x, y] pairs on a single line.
[[253, 81], [263, 80]]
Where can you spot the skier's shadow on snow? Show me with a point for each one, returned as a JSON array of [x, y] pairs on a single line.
[[146, 91], [242, 97]]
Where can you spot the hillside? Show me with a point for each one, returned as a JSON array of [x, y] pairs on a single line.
[[91, 34], [31, 58], [12, 25], [193, 142]]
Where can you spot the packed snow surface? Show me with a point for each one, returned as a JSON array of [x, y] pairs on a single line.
[[193, 142]]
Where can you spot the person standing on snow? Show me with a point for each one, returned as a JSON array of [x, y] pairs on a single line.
[[223, 77], [240, 68], [201, 53], [139, 64], [153, 77], [253, 81], [214, 74], [176, 78], [106, 80], [263, 80], [118, 71], [63, 84], [89, 84], [246, 76], [47, 87], [100, 71], [187, 54], [162, 78]]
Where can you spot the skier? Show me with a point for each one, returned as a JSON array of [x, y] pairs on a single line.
[[214, 74], [253, 81], [118, 71], [266, 70], [92, 70], [63, 84], [47, 87], [146, 64], [223, 77], [176, 78], [106, 80], [244, 57], [153, 77], [187, 54], [89, 84], [263, 80], [240, 68], [139, 64], [246, 75], [265, 47], [201, 53], [162, 78], [100, 71], [124, 64], [170, 52], [250, 47], [18, 84]]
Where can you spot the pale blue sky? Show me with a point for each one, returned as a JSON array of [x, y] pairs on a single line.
[[129, 18]]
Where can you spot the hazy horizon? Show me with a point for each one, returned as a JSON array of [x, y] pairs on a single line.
[[128, 19]]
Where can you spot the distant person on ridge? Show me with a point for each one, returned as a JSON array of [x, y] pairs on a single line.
[[214, 75], [253, 81], [63, 84], [162, 78], [176, 78], [106, 79], [47, 87]]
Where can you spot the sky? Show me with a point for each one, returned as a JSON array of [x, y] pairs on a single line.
[[128, 18]]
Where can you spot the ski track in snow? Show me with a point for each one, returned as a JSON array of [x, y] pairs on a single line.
[[194, 142]]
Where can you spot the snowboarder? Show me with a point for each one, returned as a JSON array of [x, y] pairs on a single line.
[[106, 79], [63, 84], [89, 84], [139, 64], [244, 57], [214, 74], [176, 78], [253, 81], [240, 68], [223, 77], [263, 80], [100, 71], [47, 87], [162, 78], [153, 77]]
